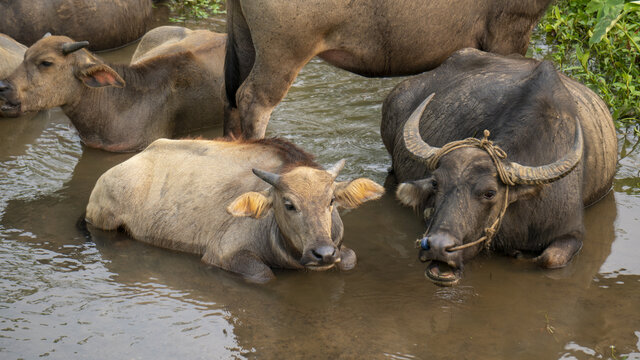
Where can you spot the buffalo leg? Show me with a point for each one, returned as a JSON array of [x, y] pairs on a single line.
[[559, 252], [232, 126], [348, 258], [264, 88], [250, 267], [239, 59]]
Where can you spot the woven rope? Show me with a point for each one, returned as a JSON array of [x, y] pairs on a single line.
[[495, 152]]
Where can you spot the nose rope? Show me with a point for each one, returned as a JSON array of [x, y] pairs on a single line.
[[498, 156], [488, 232]]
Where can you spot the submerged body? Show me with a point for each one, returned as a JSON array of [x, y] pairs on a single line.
[[173, 86], [533, 113], [271, 40], [201, 197]]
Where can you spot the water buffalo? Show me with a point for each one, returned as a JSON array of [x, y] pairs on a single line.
[[171, 88], [551, 151], [271, 40], [105, 24], [11, 53], [198, 196]]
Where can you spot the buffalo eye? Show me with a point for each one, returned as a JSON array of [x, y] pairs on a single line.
[[490, 194], [434, 184], [289, 206], [45, 63]]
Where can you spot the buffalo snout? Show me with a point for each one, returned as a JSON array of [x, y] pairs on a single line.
[[445, 267], [436, 247], [321, 256], [9, 106], [5, 88]]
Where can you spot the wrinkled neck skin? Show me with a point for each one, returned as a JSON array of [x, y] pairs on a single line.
[[281, 252], [120, 119]]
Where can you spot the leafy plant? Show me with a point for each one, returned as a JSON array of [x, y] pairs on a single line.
[[596, 42], [183, 10]]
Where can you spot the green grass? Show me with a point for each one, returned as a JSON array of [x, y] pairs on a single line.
[[183, 10], [596, 43]]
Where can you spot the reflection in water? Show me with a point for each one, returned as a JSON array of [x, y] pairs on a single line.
[[628, 179], [38, 157], [67, 305], [67, 296]]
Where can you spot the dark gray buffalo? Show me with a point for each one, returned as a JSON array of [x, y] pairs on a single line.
[[202, 197], [271, 40], [173, 86], [105, 23], [551, 151], [11, 54]]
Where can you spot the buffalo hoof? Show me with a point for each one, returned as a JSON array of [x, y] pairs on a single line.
[[442, 274]]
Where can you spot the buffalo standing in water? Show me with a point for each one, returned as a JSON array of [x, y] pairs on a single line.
[[173, 86], [199, 196], [560, 147], [105, 24], [271, 40]]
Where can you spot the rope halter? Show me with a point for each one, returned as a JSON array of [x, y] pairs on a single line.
[[497, 156]]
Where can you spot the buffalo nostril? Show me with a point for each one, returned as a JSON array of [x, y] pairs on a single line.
[[424, 243], [325, 254], [440, 242], [5, 88]]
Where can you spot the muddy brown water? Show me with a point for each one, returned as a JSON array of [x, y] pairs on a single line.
[[65, 296]]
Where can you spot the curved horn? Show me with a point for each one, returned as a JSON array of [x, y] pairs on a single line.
[[335, 169], [270, 178], [411, 134], [545, 174], [68, 48]]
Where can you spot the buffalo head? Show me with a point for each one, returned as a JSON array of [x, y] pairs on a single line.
[[304, 203], [468, 190], [53, 73]]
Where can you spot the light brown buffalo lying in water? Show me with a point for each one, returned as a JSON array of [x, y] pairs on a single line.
[[105, 24], [173, 86], [11, 54], [201, 197], [271, 40]]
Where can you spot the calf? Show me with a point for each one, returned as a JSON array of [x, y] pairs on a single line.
[[170, 89], [202, 197]]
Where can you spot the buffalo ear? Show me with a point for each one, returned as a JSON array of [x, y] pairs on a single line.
[[253, 204], [414, 193], [350, 195], [100, 75]]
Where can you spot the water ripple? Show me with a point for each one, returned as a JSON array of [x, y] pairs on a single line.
[[43, 168]]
